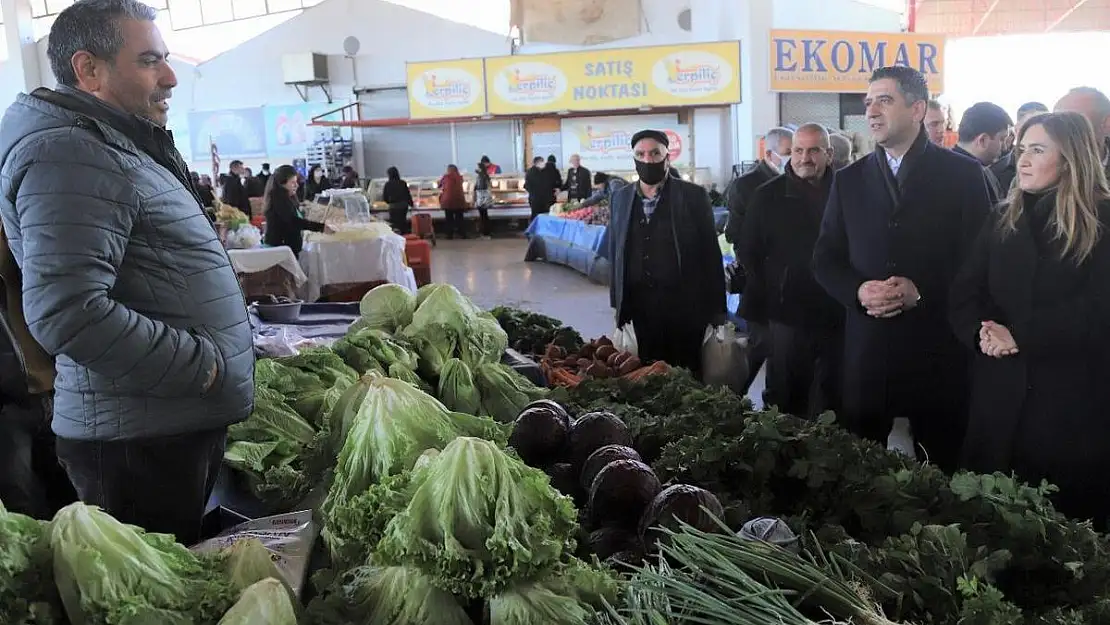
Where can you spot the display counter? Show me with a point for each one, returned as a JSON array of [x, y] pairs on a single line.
[[510, 200]]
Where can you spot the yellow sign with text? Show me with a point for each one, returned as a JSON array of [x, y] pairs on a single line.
[[446, 89], [841, 62], [702, 74]]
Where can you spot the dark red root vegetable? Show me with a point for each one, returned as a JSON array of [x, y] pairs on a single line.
[[594, 430], [540, 433], [680, 502], [601, 457], [620, 494]]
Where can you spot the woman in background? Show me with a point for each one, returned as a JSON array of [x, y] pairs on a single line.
[[483, 198], [397, 195], [284, 223], [1033, 302], [452, 200], [316, 183]]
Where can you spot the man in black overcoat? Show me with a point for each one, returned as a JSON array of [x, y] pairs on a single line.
[[897, 226], [667, 277]]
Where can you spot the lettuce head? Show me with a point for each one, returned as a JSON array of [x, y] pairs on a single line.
[[266, 601], [394, 595], [387, 307], [456, 388], [479, 521], [115, 574], [27, 592]]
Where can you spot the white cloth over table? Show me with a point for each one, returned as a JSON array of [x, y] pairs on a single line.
[[363, 260], [263, 258]]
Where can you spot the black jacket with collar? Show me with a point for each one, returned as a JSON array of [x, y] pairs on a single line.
[[776, 251], [1041, 412], [739, 194], [917, 225], [695, 238]]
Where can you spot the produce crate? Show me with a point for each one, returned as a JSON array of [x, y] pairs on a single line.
[[347, 292], [274, 281]]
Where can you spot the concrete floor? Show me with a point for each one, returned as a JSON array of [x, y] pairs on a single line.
[[494, 273]]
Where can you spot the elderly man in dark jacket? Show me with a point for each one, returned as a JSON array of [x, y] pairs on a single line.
[[133, 295], [897, 227], [805, 324], [667, 273]]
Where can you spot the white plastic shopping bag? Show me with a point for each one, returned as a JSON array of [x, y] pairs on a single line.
[[901, 438], [724, 358], [624, 339]]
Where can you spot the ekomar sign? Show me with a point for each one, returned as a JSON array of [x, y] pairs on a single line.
[[841, 62]]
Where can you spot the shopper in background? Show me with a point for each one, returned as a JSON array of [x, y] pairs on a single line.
[[842, 151], [895, 231], [604, 187], [555, 178], [1033, 302], [483, 198], [1005, 169], [661, 234], [284, 221], [234, 193], [316, 182], [452, 200], [983, 131], [1095, 106], [204, 190], [133, 294], [738, 194], [349, 179], [491, 168], [254, 186], [578, 184], [398, 197], [537, 182], [936, 122], [264, 175], [806, 325]]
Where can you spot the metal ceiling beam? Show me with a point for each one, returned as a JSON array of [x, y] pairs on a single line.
[[985, 17], [1066, 15]]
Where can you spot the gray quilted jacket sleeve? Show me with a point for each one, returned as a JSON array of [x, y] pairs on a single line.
[[75, 209]]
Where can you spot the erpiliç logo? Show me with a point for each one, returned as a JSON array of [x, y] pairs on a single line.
[[692, 74], [605, 142], [530, 83], [446, 89]]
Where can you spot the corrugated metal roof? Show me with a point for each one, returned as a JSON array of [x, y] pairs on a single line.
[[964, 18]]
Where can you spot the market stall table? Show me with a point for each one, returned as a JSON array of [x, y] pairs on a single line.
[[333, 262], [267, 271]]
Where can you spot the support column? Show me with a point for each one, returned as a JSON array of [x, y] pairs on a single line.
[[759, 110], [22, 67]]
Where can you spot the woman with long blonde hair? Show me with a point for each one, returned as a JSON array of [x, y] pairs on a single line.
[[1033, 302]]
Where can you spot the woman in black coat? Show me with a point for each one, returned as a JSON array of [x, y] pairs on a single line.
[[397, 195], [284, 222], [316, 183], [1033, 302]]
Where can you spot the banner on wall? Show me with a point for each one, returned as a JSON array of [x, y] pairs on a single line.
[[841, 62], [603, 143], [704, 74], [287, 127], [240, 133], [446, 89]]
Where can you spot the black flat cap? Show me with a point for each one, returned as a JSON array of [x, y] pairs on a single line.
[[658, 135]]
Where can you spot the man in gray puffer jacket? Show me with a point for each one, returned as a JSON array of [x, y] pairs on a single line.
[[124, 281]]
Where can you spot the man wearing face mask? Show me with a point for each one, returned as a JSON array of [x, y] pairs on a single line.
[[119, 276], [667, 274]]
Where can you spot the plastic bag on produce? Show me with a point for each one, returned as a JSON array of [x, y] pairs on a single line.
[[244, 238], [724, 358], [624, 339], [277, 341], [288, 538]]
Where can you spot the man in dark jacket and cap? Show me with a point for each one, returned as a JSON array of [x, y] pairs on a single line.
[[896, 229], [538, 184], [667, 273]]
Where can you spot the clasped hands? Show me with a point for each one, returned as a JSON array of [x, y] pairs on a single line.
[[888, 298], [996, 341]]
